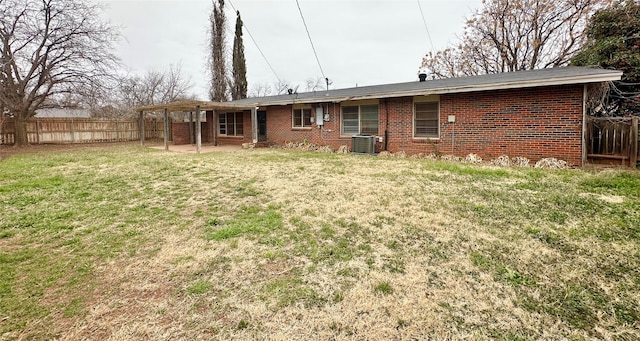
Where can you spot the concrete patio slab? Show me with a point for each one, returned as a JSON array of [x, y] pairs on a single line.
[[189, 148]]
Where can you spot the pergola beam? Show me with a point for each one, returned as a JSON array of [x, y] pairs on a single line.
[[187, 106]]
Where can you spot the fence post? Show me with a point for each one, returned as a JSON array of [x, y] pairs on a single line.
[[633, 159], [37, 131], [73, 132]]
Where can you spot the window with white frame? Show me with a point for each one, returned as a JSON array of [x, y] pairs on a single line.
[[359, 119], [426, 120], [301, 118], [231, 124]]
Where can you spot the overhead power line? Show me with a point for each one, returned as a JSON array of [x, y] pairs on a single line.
[[433, 50], [312, 47], [257, 46]]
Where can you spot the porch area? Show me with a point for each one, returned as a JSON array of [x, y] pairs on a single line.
[[212, 131]]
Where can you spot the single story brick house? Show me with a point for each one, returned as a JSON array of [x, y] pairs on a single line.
[[534, 114]]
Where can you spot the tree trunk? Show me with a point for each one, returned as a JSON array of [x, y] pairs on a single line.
[[21, 131]]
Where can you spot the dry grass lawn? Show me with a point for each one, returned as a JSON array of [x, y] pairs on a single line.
[[122, 242]]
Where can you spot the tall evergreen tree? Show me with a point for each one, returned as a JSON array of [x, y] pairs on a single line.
[[239, 73], [217, 44], [614, 43]]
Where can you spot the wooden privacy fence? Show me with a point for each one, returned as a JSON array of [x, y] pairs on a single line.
[[82, 130], [613, 139]]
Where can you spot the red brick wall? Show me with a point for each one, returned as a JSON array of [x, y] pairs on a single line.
[[180, 133], [534, 123], [279, 127]]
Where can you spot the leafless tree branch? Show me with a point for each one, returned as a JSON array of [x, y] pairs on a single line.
[[49, 48]]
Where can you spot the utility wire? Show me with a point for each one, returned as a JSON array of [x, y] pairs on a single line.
[[312, 47], [433, 50], [256, 44]]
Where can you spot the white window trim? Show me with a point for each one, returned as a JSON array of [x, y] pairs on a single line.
[[358, 104], [301, 107], [424, 99]]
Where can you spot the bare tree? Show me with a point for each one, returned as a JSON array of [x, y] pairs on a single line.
[[317, 84], [50, 48], [154, 87], [511, 35], [281, 87], [261, 90], [218, 52]]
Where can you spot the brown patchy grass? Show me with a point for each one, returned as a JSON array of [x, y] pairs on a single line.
[[275, 244]]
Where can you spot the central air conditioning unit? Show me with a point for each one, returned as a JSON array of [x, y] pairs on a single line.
[[363, 144]]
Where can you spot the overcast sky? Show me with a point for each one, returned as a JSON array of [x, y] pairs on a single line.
[[359, 42]]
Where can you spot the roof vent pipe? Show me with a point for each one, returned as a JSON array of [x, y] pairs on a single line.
[[422, 76]]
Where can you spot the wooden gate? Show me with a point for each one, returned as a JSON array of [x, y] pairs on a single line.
[[612, 140]]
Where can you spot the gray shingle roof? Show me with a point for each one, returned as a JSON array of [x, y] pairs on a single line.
[[507, 80]]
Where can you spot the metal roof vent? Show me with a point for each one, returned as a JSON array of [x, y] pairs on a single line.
[[422, 76]]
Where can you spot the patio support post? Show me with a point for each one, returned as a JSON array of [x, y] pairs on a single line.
[[166, 129], [254, 124], [198, 130], [191, 139], [142, 132], [214, 128]]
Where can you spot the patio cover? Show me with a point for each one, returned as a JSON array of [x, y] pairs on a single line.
[[195, 106]]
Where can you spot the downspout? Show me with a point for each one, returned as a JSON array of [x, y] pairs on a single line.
[[584, 125]]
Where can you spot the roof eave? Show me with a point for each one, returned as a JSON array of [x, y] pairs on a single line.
[[612, 76]]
